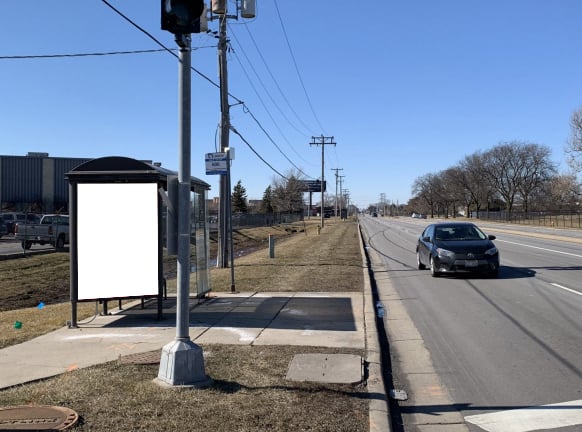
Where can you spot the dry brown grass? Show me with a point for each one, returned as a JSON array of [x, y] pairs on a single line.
[[249, 390], [249, 393]]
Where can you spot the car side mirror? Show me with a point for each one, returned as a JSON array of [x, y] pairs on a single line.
[[426, 239], [491, 237]]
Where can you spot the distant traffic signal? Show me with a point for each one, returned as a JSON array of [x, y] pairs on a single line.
[[182, 16]]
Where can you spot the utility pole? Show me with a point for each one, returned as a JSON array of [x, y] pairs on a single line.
[[346, 193], [224, 192], [341, 177], [219, 11], [336, 180], [323, 141]]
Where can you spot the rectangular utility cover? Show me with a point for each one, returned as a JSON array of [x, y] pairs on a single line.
[[117, 240]]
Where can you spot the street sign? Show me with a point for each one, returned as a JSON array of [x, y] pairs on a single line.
[[216, 163], [313, 185]]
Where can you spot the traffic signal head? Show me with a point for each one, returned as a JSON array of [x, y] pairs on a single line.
[[182, 16]]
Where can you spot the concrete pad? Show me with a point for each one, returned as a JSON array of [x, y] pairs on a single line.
[[308, 337], [229, 336], [327, 368]]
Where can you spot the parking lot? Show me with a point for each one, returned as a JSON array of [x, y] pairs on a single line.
[[9, 246]]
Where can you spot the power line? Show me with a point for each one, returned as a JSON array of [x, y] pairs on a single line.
[[209, 80], [93, 54], [255, 152], [296, 67], [262, 101], [277, 84]]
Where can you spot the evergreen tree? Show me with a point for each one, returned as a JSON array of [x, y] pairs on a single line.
[[239, 199], [267, 203]]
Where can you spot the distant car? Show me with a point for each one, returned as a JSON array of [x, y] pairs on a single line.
[[457, 248], [418, 216], [374, 214]]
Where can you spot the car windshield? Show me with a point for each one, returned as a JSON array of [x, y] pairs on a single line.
[[459, 233]]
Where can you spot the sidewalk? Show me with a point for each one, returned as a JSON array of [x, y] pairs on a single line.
[[306, 319], [338, 320]]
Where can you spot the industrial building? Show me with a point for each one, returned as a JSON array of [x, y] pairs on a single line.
[[35, 183]]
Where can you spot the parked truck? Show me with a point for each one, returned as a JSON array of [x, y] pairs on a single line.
[[53, 229]]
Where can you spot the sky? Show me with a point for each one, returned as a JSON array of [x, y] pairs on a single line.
[[405, 88]]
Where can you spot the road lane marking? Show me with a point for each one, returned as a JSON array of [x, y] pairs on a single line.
[[542, 417], [566, 289], [541, 248]]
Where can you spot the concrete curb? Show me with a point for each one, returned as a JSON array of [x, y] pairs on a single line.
[[379, 406]]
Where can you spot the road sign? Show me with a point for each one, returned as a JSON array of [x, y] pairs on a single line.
[[313, 185], [216, 163]]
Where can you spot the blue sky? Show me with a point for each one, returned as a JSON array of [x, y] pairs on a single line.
[[405, 87]]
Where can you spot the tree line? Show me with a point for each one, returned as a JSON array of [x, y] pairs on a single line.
[[510, 175]]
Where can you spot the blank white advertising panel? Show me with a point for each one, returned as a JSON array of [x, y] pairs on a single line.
[[117, 240]]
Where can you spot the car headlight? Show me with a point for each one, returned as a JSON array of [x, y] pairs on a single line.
[[492, 251], [444, 253]]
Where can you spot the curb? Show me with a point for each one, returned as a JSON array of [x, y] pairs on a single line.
[[379, 404]]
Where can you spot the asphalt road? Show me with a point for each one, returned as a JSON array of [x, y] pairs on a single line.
[[10, 246], [506, 347]]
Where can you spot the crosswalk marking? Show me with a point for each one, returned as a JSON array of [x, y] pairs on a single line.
[[542, 417]]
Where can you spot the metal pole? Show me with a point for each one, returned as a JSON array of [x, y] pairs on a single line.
[[182, 361], [231, 245], [322, 176], [184, 160]]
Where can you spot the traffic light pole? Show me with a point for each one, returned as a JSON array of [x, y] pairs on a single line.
[[182, 361]]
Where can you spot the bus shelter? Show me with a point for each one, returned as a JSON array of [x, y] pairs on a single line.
[[119, 210]]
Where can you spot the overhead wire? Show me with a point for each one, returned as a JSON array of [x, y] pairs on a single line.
[[212, 82], [107, 53], [277, 84], [261, 99], [296, 67]]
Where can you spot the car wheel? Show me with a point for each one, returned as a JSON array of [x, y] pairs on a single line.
[[433, 270], [419, 263], [60, 243], [26, 245], [494, 272]]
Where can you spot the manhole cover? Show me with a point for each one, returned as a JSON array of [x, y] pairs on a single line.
[[36, 418], [145, 358]]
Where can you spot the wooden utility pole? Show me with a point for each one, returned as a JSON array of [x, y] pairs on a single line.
[[336, 181], [322, 141]]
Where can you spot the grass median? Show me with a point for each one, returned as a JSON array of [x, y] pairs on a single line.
[[249, 390]]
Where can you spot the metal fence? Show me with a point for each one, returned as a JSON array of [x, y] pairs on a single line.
[[547, 219], [241, 220]]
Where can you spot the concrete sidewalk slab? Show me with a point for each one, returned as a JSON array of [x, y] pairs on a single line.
[[304, 319]]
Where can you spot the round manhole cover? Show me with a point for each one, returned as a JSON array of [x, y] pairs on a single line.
[[145, 358], [36, 418]]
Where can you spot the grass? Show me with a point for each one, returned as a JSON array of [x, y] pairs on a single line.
[[249, 393], [249, 390]]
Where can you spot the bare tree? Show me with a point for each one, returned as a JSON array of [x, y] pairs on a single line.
[[426, 188], [287, 193], [536, 170], [561, 192], [472, 178], [574, 146]]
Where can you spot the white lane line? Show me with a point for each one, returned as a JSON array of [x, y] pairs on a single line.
[[541, 248], [566, 289], [542, 417]]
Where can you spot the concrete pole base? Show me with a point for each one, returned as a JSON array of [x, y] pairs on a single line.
[[182, 364]]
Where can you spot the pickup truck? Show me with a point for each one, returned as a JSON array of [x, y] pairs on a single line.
[[53, 229]]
